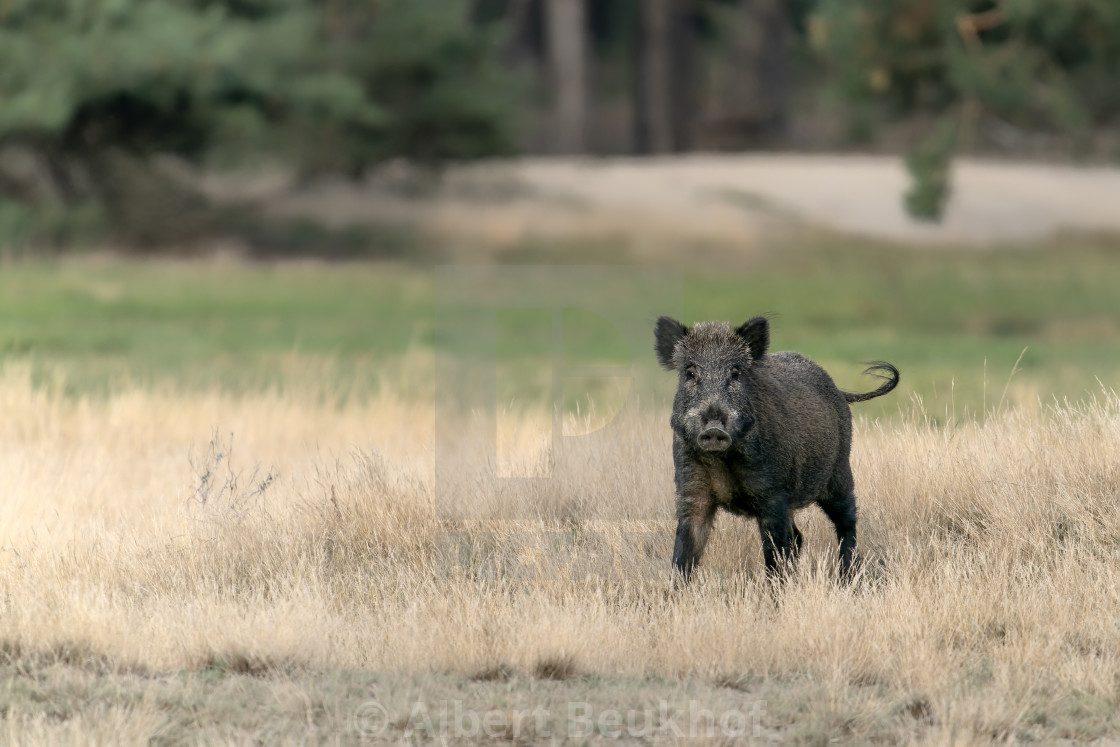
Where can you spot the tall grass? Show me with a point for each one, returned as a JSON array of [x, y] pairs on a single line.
[[148, 532]]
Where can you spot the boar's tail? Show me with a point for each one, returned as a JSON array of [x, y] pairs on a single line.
[[882, 370]]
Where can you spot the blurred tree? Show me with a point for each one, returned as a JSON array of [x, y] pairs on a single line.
[[566, 27], [682, 73], [749, 71], [1027, 66], [95, 89], [435, 81], [713, 73], [664, 101]]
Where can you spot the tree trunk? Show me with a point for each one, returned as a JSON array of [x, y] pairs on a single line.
[[524, 41], [774, 67], [664, 102], [653, 124], [685, 85], [751, 99], [566, 30]]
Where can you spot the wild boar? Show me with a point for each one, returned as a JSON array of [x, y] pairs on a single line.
[[757, 434]]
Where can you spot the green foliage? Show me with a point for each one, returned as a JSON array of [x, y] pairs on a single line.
[[892, 54], [437, 80], [1038, 65], [97, 87], [929, 165], [440, 80], [158, 73], [24, 227]]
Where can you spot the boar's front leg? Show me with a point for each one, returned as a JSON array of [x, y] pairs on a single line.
[[796, 538], [781, 539], [694, 525]]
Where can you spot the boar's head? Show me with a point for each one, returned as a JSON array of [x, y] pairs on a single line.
[[712, 408]]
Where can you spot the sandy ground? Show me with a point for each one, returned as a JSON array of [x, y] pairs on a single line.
[[722, 197], [992, 202]]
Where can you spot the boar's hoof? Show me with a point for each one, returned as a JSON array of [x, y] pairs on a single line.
[[714, 439]]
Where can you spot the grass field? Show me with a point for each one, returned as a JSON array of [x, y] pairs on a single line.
[[955, 322], [225, 518], [295, 581]]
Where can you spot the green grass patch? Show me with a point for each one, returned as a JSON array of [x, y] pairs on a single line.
[[954, 322], [207, 324]]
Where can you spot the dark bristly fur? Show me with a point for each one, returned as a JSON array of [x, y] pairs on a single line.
[[758, 434]]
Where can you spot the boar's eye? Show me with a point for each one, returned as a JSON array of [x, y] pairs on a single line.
[[690, 374], [734, 374]]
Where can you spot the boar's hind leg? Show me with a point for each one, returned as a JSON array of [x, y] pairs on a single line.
[[839, 505], [694, 525]]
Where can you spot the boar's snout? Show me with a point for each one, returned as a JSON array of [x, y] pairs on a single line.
[[714, 438], [713, 430]]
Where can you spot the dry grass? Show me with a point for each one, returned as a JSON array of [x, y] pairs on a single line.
[[136, 546]]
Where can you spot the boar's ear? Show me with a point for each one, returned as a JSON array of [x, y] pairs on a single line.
[[756, 333], [667, 332]]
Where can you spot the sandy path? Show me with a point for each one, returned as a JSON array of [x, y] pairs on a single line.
[[737, 197], [992, 201]]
